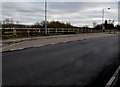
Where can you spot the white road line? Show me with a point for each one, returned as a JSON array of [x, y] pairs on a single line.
[[113, 78], [52, 43], [38, 46], [65, 41], [111, 81]]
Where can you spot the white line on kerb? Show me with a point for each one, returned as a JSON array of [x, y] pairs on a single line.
[[38, 46]]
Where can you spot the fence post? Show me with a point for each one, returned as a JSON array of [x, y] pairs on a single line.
[[14, 31], [39, 30], [62, 30], [56, 30], [28, 31], [48, 30], [68, 30]]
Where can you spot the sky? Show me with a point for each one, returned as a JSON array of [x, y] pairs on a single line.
[[78, 13], [60, 0]]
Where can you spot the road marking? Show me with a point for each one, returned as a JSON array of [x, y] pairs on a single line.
[[52, 43], [110, 82], [38, 46], [16, 49]]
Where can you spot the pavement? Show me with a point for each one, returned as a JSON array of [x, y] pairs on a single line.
[[18, 44], [84, 63]]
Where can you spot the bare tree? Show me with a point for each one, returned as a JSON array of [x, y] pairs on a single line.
[[94, 23], [0, 23], [17, 22], [8, 21]]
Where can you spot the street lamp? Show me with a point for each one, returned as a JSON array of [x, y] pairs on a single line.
[[45, 17], [103, 16], [102, 19]]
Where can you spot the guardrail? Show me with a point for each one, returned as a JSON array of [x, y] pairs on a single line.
[[14, 31], [114, 79], [25, 32]]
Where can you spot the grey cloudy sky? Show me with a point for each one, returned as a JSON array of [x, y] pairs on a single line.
[[76, 13], [60, 0]]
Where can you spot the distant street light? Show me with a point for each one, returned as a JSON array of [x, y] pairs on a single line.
[[102, 19], [103, 16]]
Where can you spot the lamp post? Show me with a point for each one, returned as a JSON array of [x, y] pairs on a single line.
[[103, 19], [45, 17], [103, 16]]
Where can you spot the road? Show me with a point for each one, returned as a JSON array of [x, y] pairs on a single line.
[[86, 63]]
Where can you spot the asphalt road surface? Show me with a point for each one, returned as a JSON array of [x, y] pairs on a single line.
[[84, 63]]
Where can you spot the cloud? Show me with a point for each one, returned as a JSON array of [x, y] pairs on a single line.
[[77, 13]]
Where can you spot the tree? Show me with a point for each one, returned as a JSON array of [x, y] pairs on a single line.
[[37, 24], [117, 26], [86, 27], [98, 27], [68, 25], [106, 25], [8, 21], [58, 24], [17, 22], [94, 23], [0, 24], [42, 24]]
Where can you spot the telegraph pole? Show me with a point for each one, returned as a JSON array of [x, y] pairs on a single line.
[[45, 17]]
